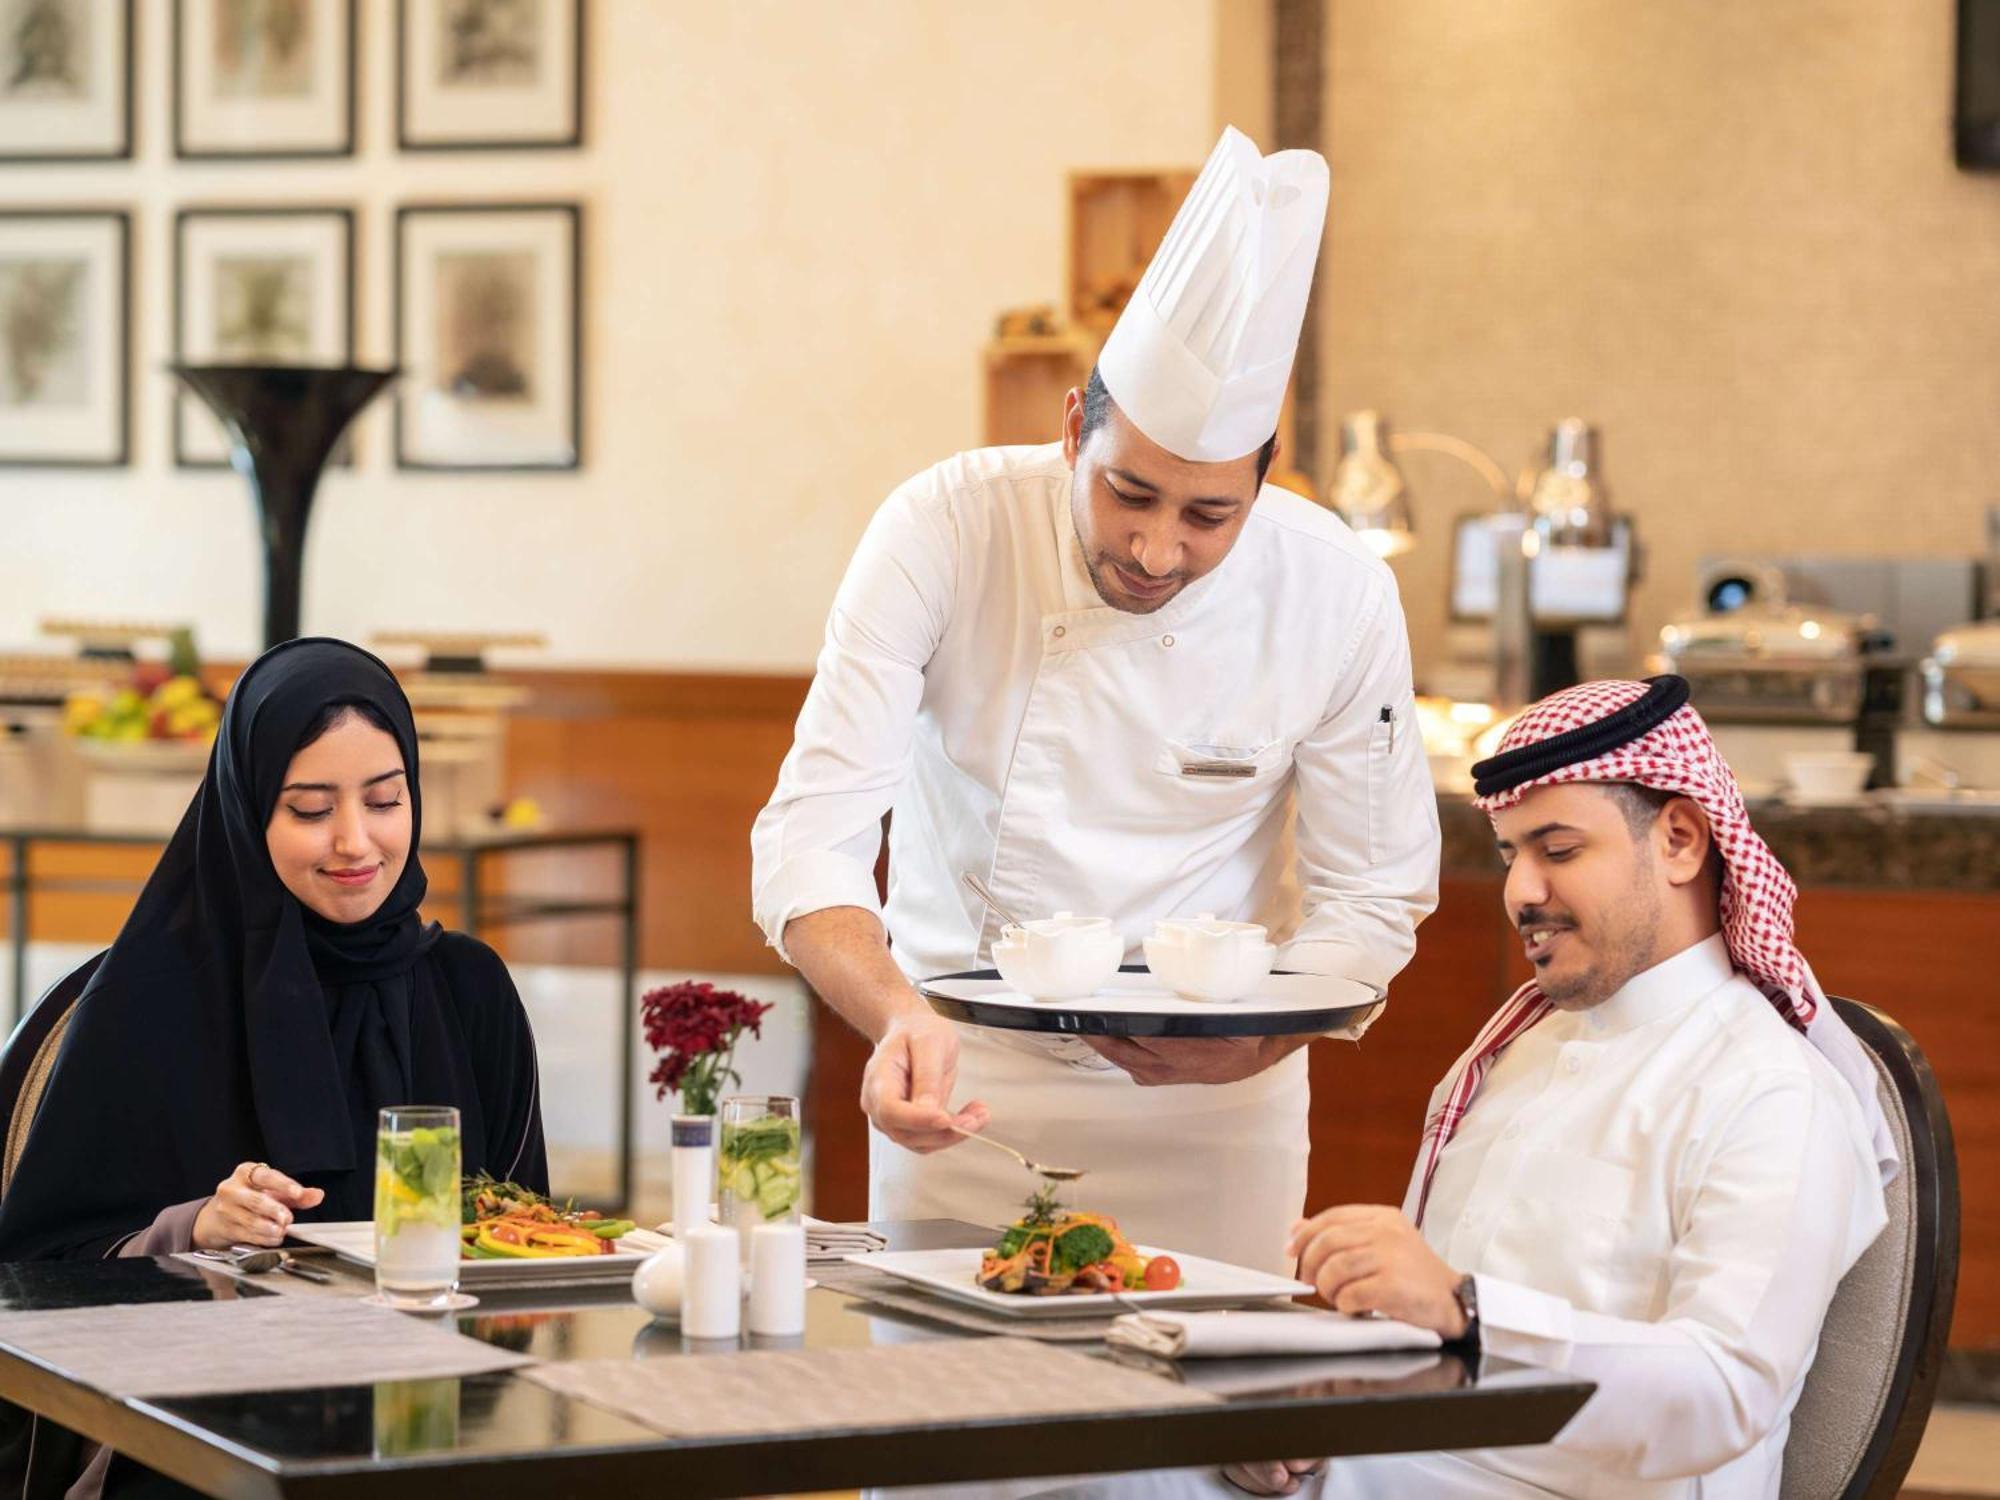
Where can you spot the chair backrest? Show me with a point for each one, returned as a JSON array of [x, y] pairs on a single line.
[[1868, 1395], [30, 1056]]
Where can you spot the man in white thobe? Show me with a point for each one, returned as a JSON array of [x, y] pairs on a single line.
[[1657, 1160], [1120, 676]]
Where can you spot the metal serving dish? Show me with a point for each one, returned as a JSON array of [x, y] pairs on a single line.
[[1780, 664], [1962, 677]]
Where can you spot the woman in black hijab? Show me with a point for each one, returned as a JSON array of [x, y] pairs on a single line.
[[273, 988]]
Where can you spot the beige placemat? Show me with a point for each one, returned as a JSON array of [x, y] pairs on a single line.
[[847, 1390], [260, 1343]]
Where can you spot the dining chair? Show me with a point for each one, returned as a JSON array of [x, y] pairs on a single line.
[[1868, 1396], [30, 1056]]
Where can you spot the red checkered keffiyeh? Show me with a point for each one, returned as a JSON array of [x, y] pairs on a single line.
[[1674, 754]]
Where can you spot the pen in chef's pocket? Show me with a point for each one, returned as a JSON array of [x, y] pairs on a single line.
[[1389, 718]]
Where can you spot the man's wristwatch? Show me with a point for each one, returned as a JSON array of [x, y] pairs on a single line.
[[1466, 1295]]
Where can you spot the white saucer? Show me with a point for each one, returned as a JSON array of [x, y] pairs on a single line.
[[456, 1302]]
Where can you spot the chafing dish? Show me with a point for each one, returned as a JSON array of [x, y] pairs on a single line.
[[1779, 663], [1962, 677]]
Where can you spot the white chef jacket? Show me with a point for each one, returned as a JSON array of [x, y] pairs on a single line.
[[1027, 732]]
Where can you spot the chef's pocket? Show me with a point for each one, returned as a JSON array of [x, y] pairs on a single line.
[[1381, 747]]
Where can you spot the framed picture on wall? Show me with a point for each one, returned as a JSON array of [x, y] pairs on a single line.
[[258, 286], [488, 336], [65, 80], [489, 74], [65, 337], [263, 78]]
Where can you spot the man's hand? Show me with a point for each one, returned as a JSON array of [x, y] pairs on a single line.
[[1368, 1258], [1275, 1477], [906, 1087], [1223, 1059]]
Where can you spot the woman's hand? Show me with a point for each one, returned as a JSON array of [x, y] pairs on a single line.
[[252, 1206]]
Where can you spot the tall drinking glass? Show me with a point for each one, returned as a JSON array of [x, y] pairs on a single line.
[[417, 1205], [757, 1162]]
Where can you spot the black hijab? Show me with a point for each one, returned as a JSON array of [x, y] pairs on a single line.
[[230, 1023]]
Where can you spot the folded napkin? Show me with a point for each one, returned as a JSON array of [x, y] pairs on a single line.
[[827, 1241], [1222, 1335]]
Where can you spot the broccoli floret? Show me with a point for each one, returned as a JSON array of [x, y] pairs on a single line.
[[1011, 1242], [1082, 1246]]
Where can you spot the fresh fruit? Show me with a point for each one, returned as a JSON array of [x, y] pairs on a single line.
[[171, 708]]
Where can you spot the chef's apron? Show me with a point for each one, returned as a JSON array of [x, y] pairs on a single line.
[[1213, 1170]]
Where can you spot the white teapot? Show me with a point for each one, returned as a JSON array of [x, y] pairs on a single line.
[[1063, 957], [1206, 959]]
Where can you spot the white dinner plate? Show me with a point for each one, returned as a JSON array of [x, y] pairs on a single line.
[[353, 1240], [1204, 1283]]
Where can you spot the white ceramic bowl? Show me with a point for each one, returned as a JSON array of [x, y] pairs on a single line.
[[1059, 958], [1219, 973], [1828, 773]]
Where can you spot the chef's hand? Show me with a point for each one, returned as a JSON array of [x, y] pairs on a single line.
[[1222, 1059], [1368, 1258], [1275, 1477], [906, 1087], [252, 1206]]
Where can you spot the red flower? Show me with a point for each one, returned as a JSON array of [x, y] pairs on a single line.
[[694, 1027]]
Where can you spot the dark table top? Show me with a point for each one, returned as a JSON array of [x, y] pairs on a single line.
[[502, 1436]]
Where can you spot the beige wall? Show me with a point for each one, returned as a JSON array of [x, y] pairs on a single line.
[[800, 221], [1729, 233]]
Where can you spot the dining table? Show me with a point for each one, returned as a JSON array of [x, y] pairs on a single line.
[[530, 1430]]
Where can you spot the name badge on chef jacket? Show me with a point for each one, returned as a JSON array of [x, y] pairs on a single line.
[[1220, 762]]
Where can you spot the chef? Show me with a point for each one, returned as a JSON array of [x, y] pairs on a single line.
[[1116, 675]]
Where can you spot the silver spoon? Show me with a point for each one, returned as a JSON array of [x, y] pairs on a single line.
[[252, 1261], [978, 888], [1054, 1174]]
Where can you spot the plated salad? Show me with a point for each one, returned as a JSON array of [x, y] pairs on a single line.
[[505, 1221], [1051, 1250]]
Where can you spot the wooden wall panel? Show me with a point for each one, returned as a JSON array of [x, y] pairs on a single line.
[[1927, 959], [687, 759]]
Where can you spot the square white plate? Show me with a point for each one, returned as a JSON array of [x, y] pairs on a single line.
[[353, 1240], [1204, 1283]]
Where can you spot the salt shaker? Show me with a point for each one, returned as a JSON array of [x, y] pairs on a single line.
[[712, 1283], [778, 1279]]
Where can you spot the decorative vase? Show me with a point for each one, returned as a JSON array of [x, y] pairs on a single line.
[[283, 421], [694, 1171]]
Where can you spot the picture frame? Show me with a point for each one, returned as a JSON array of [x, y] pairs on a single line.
[[258, 285], [65, 80], [489, 75], [488, 333], [263, 79], [65, 337]]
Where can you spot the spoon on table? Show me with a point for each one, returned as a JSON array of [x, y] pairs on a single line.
[[978, 888], [252, 1261], [1054, 1174]]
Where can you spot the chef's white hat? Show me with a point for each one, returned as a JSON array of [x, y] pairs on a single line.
[[1201, 355]]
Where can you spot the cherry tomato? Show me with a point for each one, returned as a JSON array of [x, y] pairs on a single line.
[[1163, 1274]]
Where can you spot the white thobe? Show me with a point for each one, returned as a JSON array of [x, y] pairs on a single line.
[[1067, 752], [1659, 1194]]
